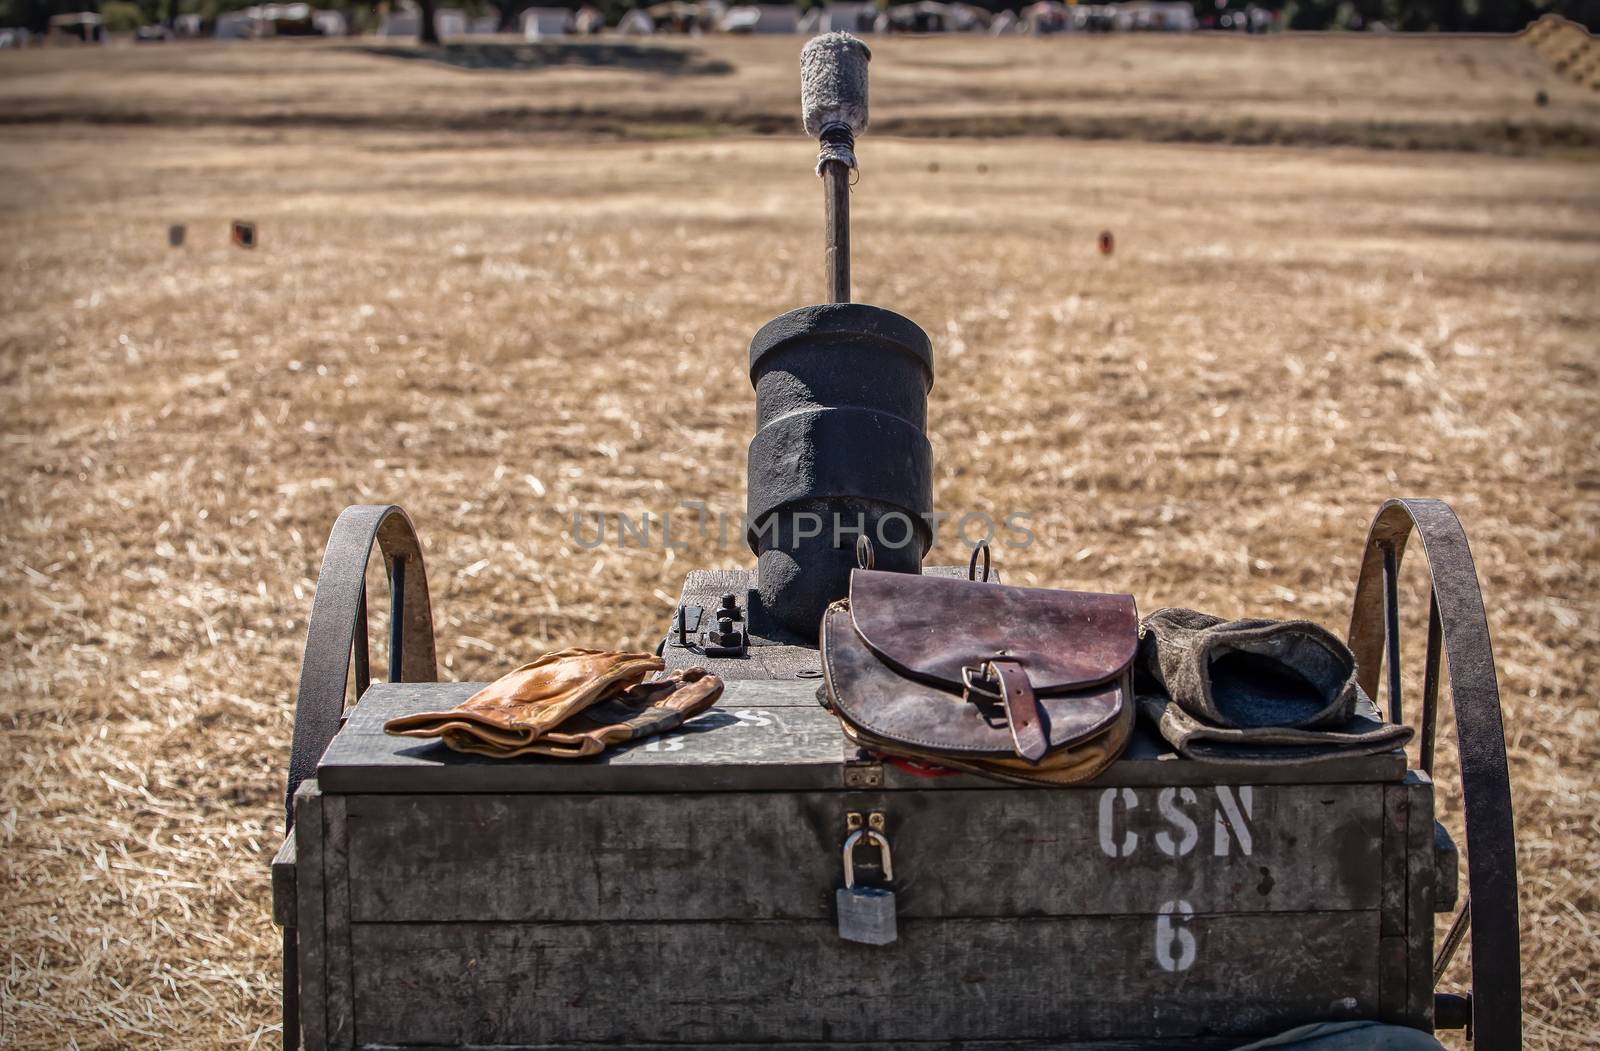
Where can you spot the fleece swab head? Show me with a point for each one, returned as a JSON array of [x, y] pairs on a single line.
[[833, 84]]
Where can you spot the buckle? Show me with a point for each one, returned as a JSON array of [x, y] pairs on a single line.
[[986, 675]]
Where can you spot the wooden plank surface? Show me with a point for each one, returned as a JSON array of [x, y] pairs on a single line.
[[310, 913], [283, 889], [1420, 878], [336, 893], [660, 857], [1181, 1044], [691, 983], [1392, 956], [1446, 870], [763, 735]]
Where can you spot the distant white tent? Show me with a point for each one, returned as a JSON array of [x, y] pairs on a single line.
[[1046, 16], [760, 18], [235, 25], [84, 27], [741, 19], [684, 16], [712, 13], [450, 22], [849, 16], [484, 25], [588, 21], [399, 24], [932, 16], [544, 21], [1172, 16], [636, 23], [331, 23]]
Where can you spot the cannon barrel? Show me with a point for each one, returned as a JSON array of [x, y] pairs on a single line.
[[840, 445], [840, 450]]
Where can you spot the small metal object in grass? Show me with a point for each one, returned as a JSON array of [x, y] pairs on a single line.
[[244, 233]]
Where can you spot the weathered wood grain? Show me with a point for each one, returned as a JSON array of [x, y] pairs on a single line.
[[679, 892], [1421, 875], [763, 735], [1395, 809], [311, 915], [1182, 1044], [745, 743], [764, 660], [666, 857], [953, 980], [283, 865], [1392, 954], [336, 892], [1447, 870]]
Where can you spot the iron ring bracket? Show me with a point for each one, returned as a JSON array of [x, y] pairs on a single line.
[[337, 631], [1457, 625]]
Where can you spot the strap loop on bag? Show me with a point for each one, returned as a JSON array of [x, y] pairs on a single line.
[[865, 555], [972, 563]]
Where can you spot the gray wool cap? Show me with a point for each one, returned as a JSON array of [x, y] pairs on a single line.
[[833, 83]]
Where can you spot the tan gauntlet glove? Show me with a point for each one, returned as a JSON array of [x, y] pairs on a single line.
[[521, 711], [645, 710], [517, 708]]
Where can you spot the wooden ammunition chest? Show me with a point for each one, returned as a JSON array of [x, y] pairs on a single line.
[[681, 891]]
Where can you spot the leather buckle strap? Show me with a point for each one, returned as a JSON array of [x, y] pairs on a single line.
[[1010, 686], [979, 679]]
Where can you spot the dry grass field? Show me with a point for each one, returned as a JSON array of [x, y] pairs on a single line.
[[502, 296]]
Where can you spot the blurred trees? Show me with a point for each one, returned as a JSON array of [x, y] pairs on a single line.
[[1483, 16], [34, 15], [1476, 16], [427, 30], [121, 16]]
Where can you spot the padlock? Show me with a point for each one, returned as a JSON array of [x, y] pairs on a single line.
[[866, 914]]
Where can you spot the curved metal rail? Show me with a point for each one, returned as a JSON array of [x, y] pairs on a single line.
[[337, 632], [1457, 626]]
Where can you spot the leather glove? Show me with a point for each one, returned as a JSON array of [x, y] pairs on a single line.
[[521, 706], [1244, 674], [645, 710]]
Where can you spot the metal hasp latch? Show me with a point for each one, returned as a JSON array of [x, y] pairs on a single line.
[[866, 914], [862, 769]]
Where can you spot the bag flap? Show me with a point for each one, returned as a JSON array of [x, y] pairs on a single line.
[[866, 692], [932, 627]]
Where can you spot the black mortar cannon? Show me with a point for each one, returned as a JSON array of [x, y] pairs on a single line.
[[680, 891], [840, 465]]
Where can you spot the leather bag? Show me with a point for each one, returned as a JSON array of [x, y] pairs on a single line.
[[1025, 684]]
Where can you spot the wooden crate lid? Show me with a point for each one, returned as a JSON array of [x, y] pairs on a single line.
[[763, 735]]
